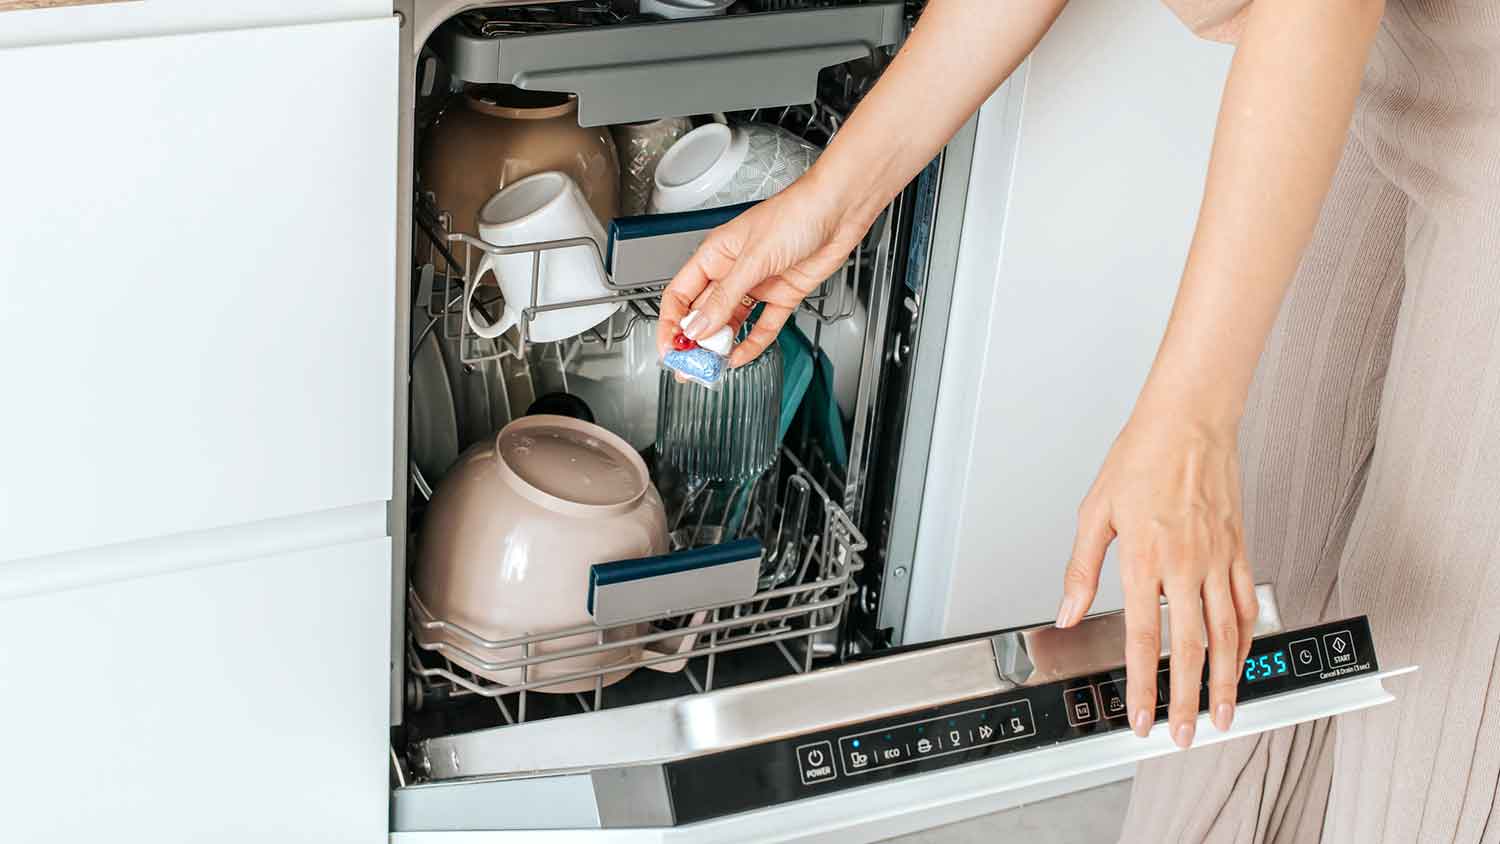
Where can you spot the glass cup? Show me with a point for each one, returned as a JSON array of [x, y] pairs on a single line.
[[714, 449], [724, 436]]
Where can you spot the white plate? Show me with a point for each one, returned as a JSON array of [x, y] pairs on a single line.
[[844, 341], [479, 389], [434, 422], [508, 378]]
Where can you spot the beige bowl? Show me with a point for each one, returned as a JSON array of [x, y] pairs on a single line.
[[496, 135], [509, 538]]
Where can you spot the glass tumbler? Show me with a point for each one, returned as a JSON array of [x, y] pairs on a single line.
[[723, 436]]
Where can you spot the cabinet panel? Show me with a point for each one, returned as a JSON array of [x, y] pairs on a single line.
[[1094, 181], [237, 703], [132, 18], [198, 304]]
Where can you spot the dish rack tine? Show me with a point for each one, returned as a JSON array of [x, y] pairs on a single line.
[[692, 678], [525, 678], [713, 654], [504, 710]]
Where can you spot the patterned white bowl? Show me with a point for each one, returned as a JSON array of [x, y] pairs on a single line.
[[716, 165], [685, 8]]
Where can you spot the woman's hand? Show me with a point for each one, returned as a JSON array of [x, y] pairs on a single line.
[[778, 252], [1170, 492], [781, 250]]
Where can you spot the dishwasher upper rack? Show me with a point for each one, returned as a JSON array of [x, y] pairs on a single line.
[[837, 299], [625, 67], [810, 606]]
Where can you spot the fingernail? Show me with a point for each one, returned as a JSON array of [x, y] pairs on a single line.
[[1183, 735], [1065, 611], [1142, 722], [1223, 716], [687, 324]]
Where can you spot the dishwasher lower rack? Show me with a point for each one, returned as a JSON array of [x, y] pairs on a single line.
[[794, 621]]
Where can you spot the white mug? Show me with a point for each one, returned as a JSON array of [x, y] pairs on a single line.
[[543, 207]]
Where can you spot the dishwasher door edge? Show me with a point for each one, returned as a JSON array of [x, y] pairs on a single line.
[[867, 814]]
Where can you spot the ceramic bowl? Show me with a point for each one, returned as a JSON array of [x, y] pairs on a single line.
[[495, 135], [716, 165], [677, 9], [510, 535]]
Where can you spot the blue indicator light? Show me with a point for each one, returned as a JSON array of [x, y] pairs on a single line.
[[887, 736], [856, 742]]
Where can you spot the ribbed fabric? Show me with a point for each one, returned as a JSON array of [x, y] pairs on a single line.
[[1371, 460]]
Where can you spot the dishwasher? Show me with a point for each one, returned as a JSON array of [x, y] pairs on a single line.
[[800, 710]]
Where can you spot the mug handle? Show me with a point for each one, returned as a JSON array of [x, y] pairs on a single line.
[[507, 315]]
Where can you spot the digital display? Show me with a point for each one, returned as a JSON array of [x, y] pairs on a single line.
[[1265, 666]]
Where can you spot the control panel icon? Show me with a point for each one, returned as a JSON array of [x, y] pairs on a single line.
[[1340, 649], [917, 742], [1305, 657], [1082, 707], [1113, 699], [815, 762]]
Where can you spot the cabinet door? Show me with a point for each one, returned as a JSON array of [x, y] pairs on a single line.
[[197, 304], [1073, 244], [243, 702], [28, 22]]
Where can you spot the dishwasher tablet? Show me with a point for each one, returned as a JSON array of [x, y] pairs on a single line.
[[703, 362]]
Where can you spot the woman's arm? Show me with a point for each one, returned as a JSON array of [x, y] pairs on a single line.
[[1169, 489], [958, 54]]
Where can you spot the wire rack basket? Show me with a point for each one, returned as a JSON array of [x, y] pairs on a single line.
[[456, 256], [441, 301], [790, 617]]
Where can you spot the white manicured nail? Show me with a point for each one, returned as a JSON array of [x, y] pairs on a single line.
[[687, 324], [1183, 735], [1065, 612], [1142, 722], [1223, 717]]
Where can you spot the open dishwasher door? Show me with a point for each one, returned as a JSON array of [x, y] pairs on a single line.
[[851, 749]]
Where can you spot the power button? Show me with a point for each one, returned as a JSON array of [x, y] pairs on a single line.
[[815, 762]]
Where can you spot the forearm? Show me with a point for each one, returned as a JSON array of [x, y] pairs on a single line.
[[958, 54], [1285, 115]]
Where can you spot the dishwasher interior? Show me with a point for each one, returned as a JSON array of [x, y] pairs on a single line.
[[822, 512]]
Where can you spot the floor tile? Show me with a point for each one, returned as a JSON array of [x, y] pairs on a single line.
[[1084, 817]]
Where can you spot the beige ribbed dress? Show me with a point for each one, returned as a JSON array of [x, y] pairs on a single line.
[[1371, 462]]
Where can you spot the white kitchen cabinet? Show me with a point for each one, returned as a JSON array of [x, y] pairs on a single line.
[[198, 300], [1088, 172], [133, 18], [241, 702]]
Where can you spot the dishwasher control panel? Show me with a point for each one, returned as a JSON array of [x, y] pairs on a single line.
[[1026, 718]]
